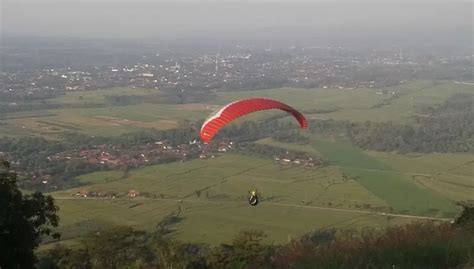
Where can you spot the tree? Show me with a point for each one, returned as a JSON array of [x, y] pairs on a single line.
[[168, 253], [248, 246], [116, 247], [61, 257], [466, 218], [24, 218], [126, 172], [247, 251]]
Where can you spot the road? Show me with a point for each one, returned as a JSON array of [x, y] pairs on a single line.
[[264, 203]]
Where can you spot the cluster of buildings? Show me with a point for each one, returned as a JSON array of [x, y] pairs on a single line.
[[62, 165], [325, 67], [305, 161], [113, 157], [131, 193]]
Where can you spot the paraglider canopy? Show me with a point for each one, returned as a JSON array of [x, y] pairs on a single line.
[[240, 108]]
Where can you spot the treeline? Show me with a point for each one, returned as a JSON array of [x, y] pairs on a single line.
[[250, 131], [186, 94], [165, 97], [443, 134], [291, 137], [251, 83], [30, 154], [262, 150], [33, 147], [43, 105], [125, 100], [16, 107], [417, 245], [446, 128], [111, 100], [47, 92]]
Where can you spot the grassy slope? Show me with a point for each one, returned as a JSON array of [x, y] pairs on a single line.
[[289, 146], [109, 121], [106, 121], [411, 97], [451, 175], [227, 210], [357, 105], [229, 176], [353, 104], [380, 179], [98, 96], [227, 180]]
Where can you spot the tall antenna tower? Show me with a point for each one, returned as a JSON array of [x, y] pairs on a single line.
[[217, 59]]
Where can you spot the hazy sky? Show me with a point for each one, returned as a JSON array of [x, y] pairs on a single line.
[[160, 19]]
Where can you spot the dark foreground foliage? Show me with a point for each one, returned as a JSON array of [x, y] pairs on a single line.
[[24, 218], [422, 245], [417, 245]]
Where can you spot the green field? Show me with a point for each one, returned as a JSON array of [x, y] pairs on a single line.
[[361, 104], [291, 204], [353, 191], [108, 120], [312, 98], [99, 96], [212, 223], [401, 193], [224, 211], [451, 175], [229, 177], [289, 146], [105, 121], [100, 117]]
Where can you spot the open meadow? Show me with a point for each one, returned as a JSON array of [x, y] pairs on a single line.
[[397, 104], [92, 113], [207, 198]]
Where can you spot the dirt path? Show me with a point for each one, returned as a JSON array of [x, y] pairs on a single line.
[[265, 203]]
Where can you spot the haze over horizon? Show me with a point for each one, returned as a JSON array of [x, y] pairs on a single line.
[[239, 19]]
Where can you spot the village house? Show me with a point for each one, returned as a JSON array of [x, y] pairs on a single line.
[[132, 193], [111, 194], [82, 194]]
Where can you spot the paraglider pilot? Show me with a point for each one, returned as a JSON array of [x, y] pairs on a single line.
[[253, 198]]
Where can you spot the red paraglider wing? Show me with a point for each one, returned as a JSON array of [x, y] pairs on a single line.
[[240, 108]]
